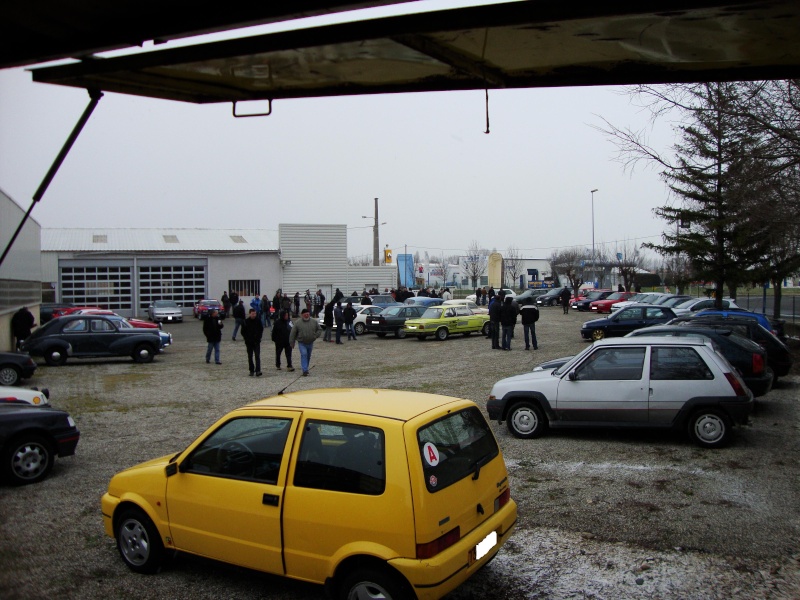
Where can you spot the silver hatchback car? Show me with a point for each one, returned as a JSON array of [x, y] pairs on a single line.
[[165, 311], [657, 382]]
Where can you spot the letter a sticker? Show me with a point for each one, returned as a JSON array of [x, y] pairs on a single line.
[[431, 454]]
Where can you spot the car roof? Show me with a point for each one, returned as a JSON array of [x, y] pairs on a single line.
[[390, 404], [654, 340]]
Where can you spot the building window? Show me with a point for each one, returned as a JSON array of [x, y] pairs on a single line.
[[185, 284], [238, 239], [170, 239], [245, 287], [108, 287], [99, 239]]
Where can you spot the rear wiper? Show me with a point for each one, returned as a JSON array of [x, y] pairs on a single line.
[[483, 461]]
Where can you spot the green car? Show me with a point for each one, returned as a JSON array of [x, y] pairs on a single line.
[[443, 320]]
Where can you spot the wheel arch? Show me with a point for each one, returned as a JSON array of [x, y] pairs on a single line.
[[538, 398], [137, 502], [377, 558]]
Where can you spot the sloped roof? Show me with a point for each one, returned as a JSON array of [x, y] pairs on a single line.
[[102, 239]]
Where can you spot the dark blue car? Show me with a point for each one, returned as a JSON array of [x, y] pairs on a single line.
[[626, 320]]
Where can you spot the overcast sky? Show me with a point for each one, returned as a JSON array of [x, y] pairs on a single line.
[[441, 181]]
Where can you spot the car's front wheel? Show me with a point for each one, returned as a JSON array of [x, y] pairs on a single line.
[[360, 328], [598, 334], [27, 459], [525, 420], [442, 333], [139, 542], [9, 375], [364, 584], [709, 428], [485, 329], [143, 353], [399, 333], [55, 357]]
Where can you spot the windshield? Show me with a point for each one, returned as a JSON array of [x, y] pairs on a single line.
[[593, 295], [616, 296], [565, 368], [432, 313], [165, 304], [391, 311]]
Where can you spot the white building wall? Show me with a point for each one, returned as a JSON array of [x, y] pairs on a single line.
[[261, 266]]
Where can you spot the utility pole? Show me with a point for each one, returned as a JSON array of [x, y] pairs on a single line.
[[376, 261]]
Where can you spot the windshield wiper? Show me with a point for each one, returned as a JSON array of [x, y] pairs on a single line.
[[483, 461]]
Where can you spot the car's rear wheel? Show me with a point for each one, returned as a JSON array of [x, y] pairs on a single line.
[[139, 542], [709, 428], [485, 329], [525, 420], [143, 353], [365, 584], [442, 333], [55, 357], [27, 459], [360, 328], [9, 375], [399, 333], [598, 334]]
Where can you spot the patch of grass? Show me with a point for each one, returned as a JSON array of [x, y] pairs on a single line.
[[83, 405]]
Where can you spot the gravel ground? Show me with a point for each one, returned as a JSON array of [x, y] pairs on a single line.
[[612, 515]]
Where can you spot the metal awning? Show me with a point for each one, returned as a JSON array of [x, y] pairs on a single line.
[[537, 43]]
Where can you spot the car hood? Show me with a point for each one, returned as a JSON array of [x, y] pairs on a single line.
[[596, 323]]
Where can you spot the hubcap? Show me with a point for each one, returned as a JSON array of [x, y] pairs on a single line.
[[8, 376], [144, 353], [525, 420], [709, 428], [368, 591], [29, 461], [134, 542]]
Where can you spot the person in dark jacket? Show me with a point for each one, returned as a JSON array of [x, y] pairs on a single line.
[[529, 314], [226, 303], [327, 320], [252, 331], [281, 330], [212, 329], [338, 317], [349, 314], [494, 322], [565, 297], [338, 295], [239, 315], [508, 319], [21, 324]]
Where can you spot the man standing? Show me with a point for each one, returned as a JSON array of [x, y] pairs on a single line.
[[565, 297], [494, 322], [338, 317], [530, 314], [21, 324], [349, 315], [319, 302], [280, 336], [212, 329], [226, 303], [446, 295], [252, 330], [305, 332], [508, 319], [238, 315]]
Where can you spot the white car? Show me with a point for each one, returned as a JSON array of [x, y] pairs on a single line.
[[478, 310], [165, 310], [506, 291], [25, 395], [643, 298], [695, 304], [655, 382], [360, 322]]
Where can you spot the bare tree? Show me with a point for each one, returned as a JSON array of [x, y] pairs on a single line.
[[512, 265], [628, 261], [475, 262], [447, 271], [570, 264], [360, 261]]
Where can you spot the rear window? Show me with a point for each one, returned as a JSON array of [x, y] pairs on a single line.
[[454, 447]]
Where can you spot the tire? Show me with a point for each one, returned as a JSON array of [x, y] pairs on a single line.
[[360, 328], [139, 542], [526, 421], [598, 334], [9, 375], [27, 459], [55, 357], [143, 353], [374, 583], [442, 333], [709, 428], [485, 329], [399, 333]]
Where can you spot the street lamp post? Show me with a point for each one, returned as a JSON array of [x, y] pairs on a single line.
[[375, 238], [594, 270]]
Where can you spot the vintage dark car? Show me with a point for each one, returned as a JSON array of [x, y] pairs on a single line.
[[14, 367], [30, 439], [89, 336], [392, 319]]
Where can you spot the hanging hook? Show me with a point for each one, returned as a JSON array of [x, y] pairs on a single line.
[[266, 114]]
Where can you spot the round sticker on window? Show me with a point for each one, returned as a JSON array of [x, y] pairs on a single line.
[[433, 481], [431, 454]]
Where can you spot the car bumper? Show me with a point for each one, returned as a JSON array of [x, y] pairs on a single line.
[[168, 318], [586, 333], [67, 442], [762, 384]]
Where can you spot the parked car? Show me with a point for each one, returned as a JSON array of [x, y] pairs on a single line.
[[551, 298], [392, 318], [478, 310], [776, 327], [30, 439], [371, 492], [779, 357], [165, 310], [137, 323], [506, 292], [73, 309], [202, 308], [441, 321], [90, 336], [382, 300], [696, 304], [50, 310], [604, 304], [20, 395], [15, 366], [656, 382], [644, 298], [526, 297], [123, 323], [423, 301], [671, 299], [582, 302], [748, 357], [360, 322], [626, 320]]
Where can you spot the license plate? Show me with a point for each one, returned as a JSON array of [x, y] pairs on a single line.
[[483, 547], [169, 318]]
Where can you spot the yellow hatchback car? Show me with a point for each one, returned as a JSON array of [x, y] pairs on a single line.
[[374, 493], [442, 320]]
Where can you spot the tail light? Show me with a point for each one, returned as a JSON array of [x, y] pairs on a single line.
[[735, 384], [502, 499], [758, 364], [440, 544]]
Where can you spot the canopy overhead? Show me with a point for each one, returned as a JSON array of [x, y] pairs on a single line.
[[537, 43]]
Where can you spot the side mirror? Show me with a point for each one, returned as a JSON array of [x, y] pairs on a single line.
[[572, 376]]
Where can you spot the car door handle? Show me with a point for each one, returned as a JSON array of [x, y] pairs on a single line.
[[270, 499]]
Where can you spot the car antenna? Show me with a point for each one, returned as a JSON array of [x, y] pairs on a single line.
[[293, 382]]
